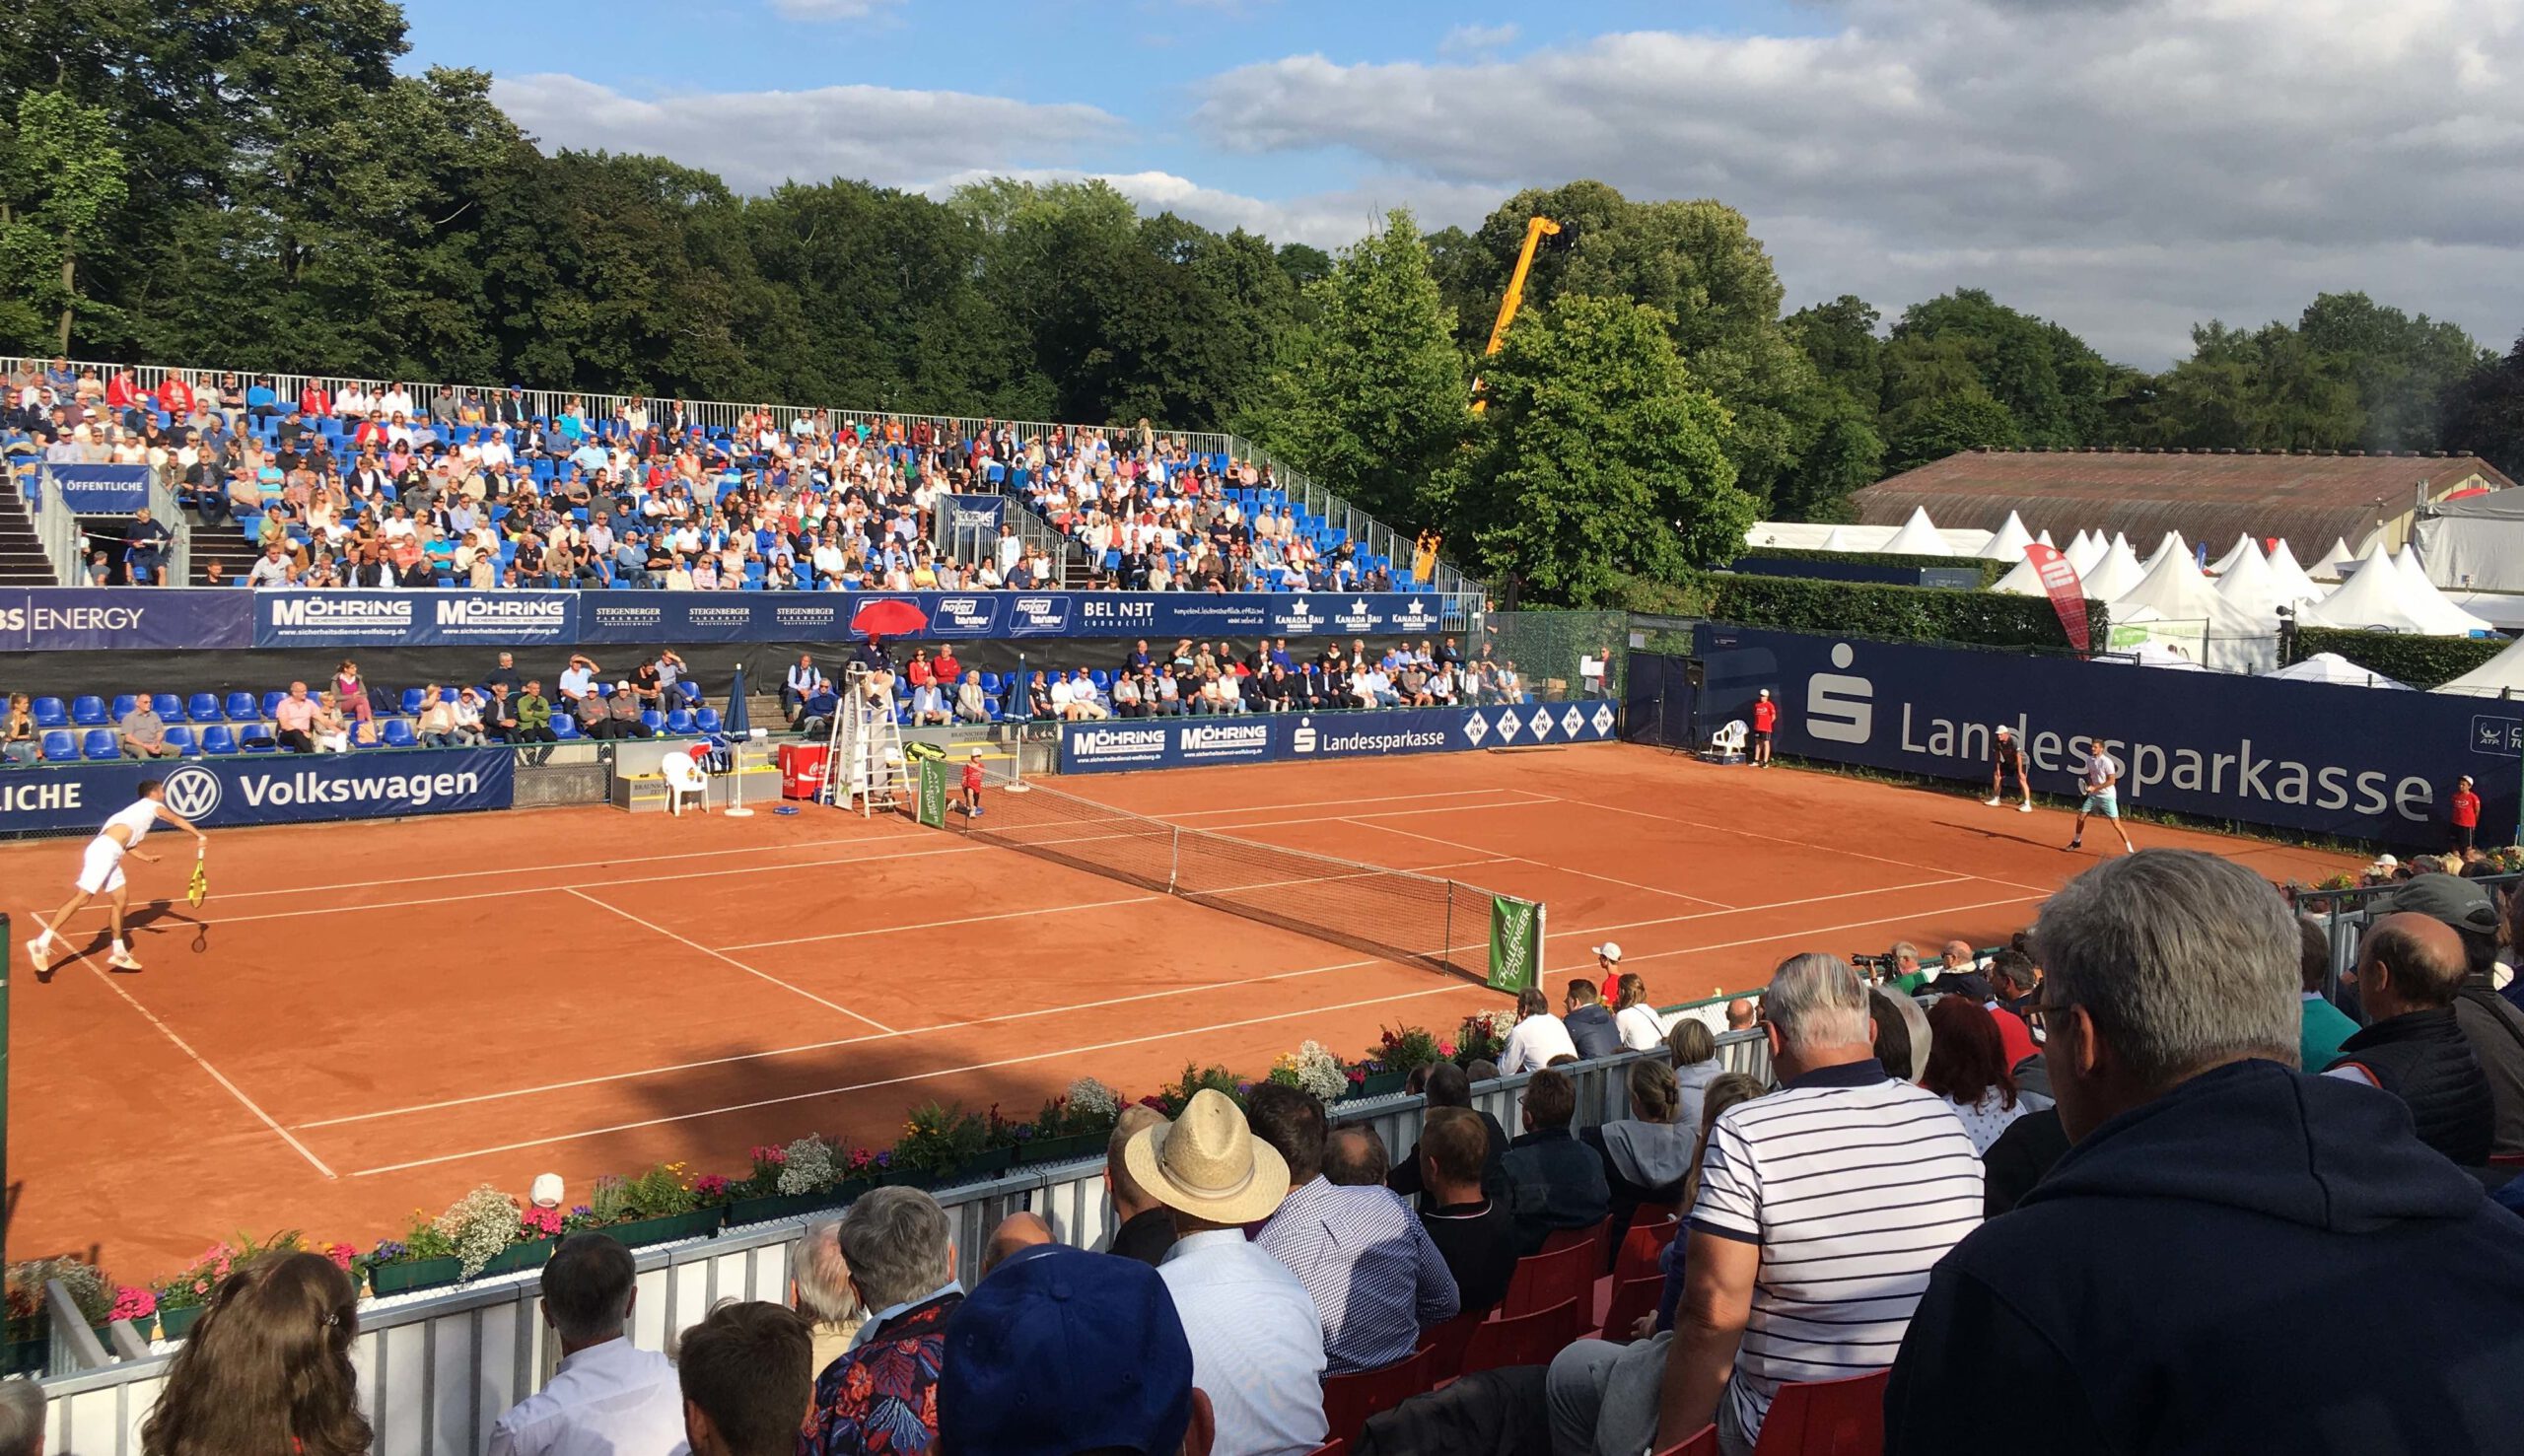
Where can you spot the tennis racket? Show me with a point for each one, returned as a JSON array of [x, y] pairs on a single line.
[[199, 889]]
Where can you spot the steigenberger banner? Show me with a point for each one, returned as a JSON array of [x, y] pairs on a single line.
[[265, 789], [2358, 762]]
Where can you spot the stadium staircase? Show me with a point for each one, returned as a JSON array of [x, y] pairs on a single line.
[[21, 559]]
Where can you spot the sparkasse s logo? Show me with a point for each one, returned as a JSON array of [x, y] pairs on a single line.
[[1838, 707]]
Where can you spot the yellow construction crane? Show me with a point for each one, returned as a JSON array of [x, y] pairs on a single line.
[[1536, 230]]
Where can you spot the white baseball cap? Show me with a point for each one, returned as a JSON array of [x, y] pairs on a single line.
[[1609, 950], [546, 1191]]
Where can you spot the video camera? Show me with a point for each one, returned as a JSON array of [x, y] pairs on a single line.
[[1875, 967]]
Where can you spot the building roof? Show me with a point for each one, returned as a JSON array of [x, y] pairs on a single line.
[[2311, 500]]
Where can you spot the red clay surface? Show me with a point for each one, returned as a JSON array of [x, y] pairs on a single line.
[[366, 1019]]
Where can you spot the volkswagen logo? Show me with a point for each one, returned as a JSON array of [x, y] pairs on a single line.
[[193, 792]]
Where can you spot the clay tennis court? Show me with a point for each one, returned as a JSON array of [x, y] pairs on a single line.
[[366, 1019]]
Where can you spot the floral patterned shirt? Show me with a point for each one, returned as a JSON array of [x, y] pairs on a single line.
[[882, 1397]]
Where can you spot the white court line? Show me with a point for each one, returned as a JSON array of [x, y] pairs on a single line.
[[470, 874], [1633, 925], [729, 959], [825, 1046], [932, 925], [1800, 935], [1318, 803], [199, 1061], [1363, 822], [1802, 844], [889, 1081]]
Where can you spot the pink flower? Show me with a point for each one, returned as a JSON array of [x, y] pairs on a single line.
[[134, 1303], [710, 1185], [1446, 1049], [341, 1255], [541, 1222]]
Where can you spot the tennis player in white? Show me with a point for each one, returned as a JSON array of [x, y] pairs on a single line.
[[101, 871]]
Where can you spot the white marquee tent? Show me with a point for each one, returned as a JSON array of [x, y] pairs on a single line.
[[2234, 553], [2501, 676], [2379, 596], [2332, 668], [1917, 538], [2086, 551], [2117, 574], [2294, 587], [2008, 542], [2172, 545], [2335, 562]]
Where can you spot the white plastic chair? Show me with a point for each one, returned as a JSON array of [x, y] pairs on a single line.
[[1728, 745], [683, 777]]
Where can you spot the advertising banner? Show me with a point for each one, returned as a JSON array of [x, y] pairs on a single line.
[[979, 515], [94, 490], [1516, 942], [267, 788], [89, 619], [2358, 762], [2067, 593], [932, 808], [124, 618], [1119, 744]]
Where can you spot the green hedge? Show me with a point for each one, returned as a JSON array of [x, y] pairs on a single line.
[[1989, 571], [1903, 613], [2404, 657]]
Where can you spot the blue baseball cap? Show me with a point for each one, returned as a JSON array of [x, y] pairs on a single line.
[[1061, 1350]]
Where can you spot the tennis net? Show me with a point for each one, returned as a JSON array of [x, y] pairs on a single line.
[[1392, 914]]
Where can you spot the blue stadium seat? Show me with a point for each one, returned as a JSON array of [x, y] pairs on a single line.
[[679, 721], [652, 717], [100, 744], [59, 747], [990, 683], [564, 726], [707, 720], [87, 709], [49, 714], [411, 700], [272, 701], [257, 739], [398, 734], [181, 739], [689, 692], [1102, 679], [169, 706], [218, 738], [124, 704], [204, 707]]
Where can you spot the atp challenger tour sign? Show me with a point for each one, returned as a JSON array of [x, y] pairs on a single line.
[[2351, 761], [1516, 942], [267, 788]]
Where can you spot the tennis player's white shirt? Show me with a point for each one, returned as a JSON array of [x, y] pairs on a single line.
[[2103, 772], [1854, 1185], [1536, 1040], [101, 871], [1642, 1029]]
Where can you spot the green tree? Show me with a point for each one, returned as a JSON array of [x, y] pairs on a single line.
[[61, 179], [2483, 413], [2266, 390], [2401, 366], [2055, 388], [1600, 458], [1372, 399], [1949, 425]]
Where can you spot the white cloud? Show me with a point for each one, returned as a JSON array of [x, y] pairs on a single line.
[[2129, 168], [759, 139], [1477, 39]]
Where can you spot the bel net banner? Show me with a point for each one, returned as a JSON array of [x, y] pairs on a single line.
[[1516, 942]]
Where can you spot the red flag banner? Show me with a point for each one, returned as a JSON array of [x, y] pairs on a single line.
[[2067, 593]]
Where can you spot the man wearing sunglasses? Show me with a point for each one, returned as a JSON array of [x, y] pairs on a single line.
[[2171, 1283]]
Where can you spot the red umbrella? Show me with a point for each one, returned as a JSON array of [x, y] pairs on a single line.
[[889, 616]]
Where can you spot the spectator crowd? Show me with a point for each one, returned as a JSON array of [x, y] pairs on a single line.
[[2085, 1194]]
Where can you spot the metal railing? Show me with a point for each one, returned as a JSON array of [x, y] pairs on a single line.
[[57, 530], [437, 1369], [1371, 534]]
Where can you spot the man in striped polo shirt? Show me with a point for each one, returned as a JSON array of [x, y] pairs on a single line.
[[1822, 1207]]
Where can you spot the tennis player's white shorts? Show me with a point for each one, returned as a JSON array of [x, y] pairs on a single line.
[[101, 869]]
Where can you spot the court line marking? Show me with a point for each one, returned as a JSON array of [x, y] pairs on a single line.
[[1796, 934], [1026, 1016], [914, 1076], [1802, 844], [932, 925], [185, 1047], [825, 1046], [729, 959], [1316, 804], [371, 885], [1366, 821]]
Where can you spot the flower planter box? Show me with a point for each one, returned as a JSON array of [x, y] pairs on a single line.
[[405, 1276], [534, 1253], [1378, 1084], [1058, 1150], [771, 1207], [173, 1323], [667, 1227], [989, 1164], [906, 1178], [27, 1356]]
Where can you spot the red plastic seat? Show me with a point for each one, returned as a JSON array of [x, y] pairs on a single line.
[[1827, 1418], [1341, 1448], [1643, 1247], [1445, 1344], [1546, 1278], [1594, 1234], [1521, 1340], [1631, 1300], [1702, 1442], [1348, 1400]]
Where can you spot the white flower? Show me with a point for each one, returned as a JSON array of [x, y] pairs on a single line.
[[1320, 1072], [809, 1167], [1093, 1098], [480, 1224]]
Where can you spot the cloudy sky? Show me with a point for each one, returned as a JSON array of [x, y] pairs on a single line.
[[2126, 166]]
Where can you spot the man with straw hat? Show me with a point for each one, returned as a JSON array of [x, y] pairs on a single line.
[[1257, 1341]]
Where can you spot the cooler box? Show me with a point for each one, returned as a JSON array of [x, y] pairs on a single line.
[[802, 770]]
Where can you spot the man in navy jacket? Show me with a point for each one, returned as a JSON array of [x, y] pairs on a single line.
[[2234, 1255]]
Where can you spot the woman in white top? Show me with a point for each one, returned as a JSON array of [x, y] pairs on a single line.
[[1640, 1028], [101, 871], [1538, 1038], [1968, 1067]]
